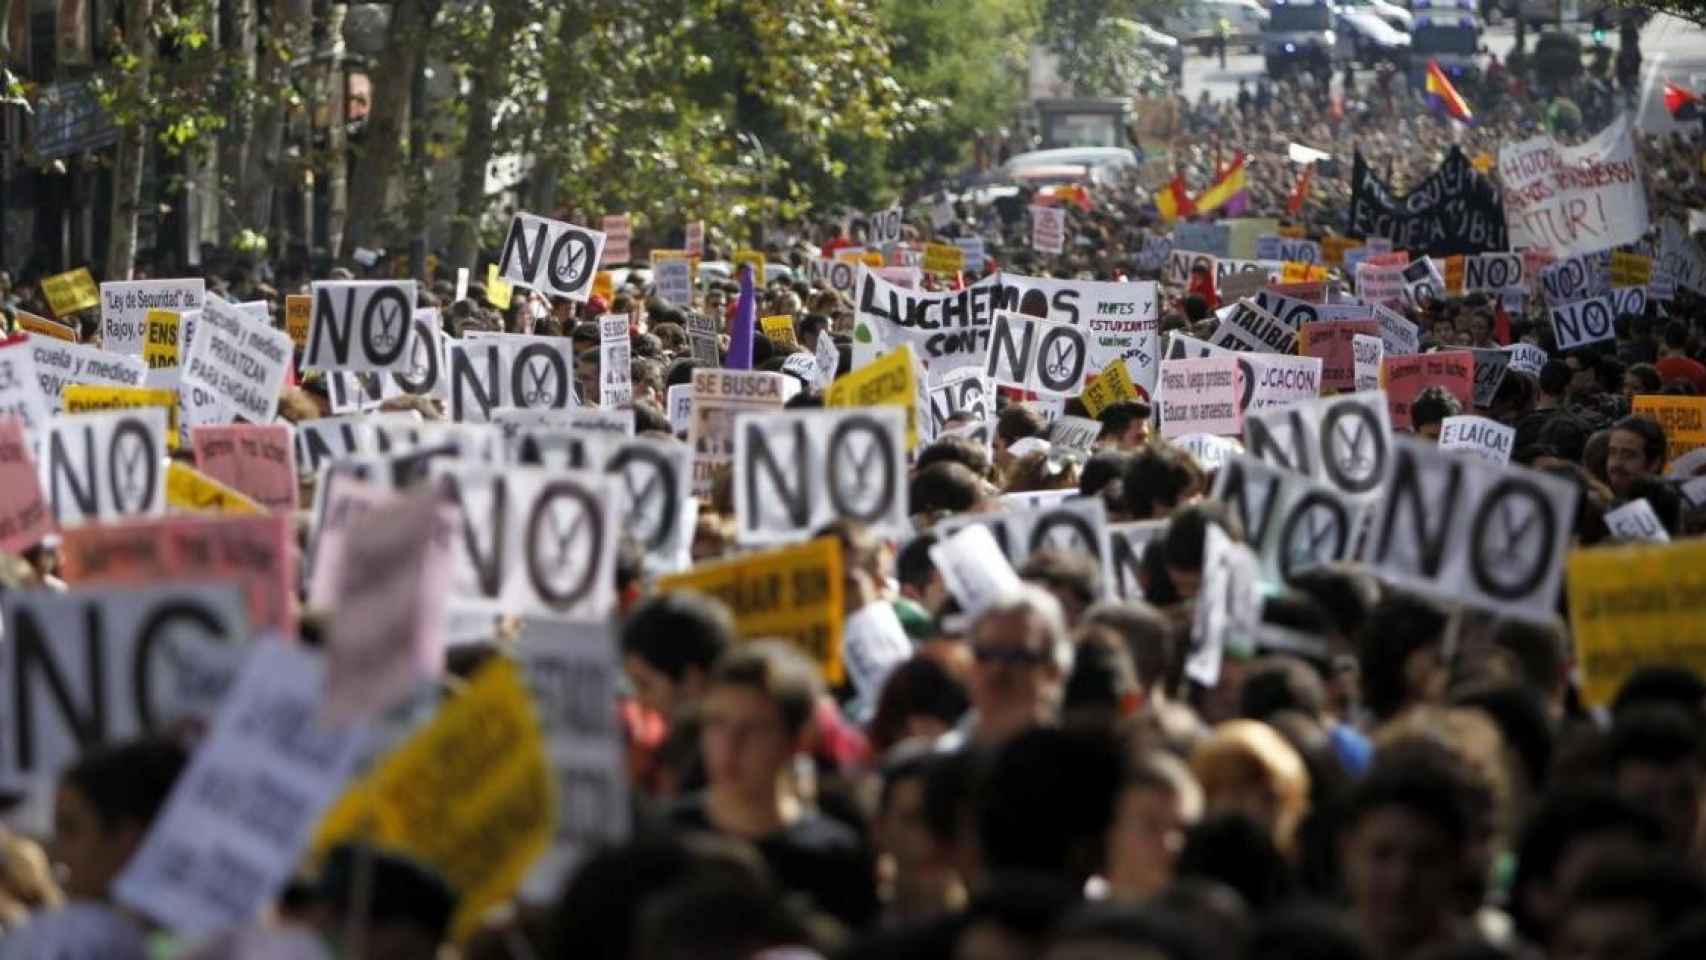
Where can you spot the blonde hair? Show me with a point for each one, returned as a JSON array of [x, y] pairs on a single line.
[[1242, 752], [26, 881]]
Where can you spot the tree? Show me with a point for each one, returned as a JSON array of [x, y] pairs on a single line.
[[137, 62], [287, 39], [489, 79], [1098, 50], [381, 158]]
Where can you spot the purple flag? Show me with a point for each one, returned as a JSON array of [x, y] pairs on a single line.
[[745, 322]]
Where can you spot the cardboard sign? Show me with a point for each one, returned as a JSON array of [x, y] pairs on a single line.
[[24, 515], [299, 316], [1110, 387], [618, 230], [509, 370], [59, 364], [1465, 531], [498, 291], [1583, 322], [1228, 604], [238, 360], [888, 381], [126, 309], [1526, 358], [30, 323], [718, 395], [1684, 420], [1200, 396], [1636, 606], [469, 795], [1680, 258], [780, 329], [1490, 368], [428, 373], [360, 325], [1120, 321], [1488, 439], [231, 832], [257, 459], [1368, 355], [70, 292], [1333, 341], [1574, 199], [973, 569], [160, 347], [1037, 355], [1407, 377], [190, 491], [1048, 229], [615, 366], [102, 466], [1344, 442], [752, 259], [945, 259], [87, 398], [796, 471], [532, 540], [1636, 521], [22, 396], [555, 258], [794, 594], [1292, 522], [83, 668]]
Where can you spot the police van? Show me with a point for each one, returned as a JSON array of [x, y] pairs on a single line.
[[1447, 31], [1299, 37]]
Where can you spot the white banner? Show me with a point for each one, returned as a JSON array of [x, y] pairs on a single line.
[[1574, 199]]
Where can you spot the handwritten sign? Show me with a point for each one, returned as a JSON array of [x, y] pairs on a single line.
[[889, 381], [1636, 606], [1200, 396], [1111, 386], [1407, 377], [24, 516], [1684, 420], [257, 459]]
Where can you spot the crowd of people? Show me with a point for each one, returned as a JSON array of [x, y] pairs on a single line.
[[1375, 774]]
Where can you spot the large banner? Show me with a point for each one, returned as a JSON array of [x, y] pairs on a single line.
[[1455, 210], [1574, 199]]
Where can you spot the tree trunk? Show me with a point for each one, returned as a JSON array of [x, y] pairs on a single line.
[[337, 131], [543, 199], [131, 150], [387, 118], [233, 144], [490, 81], [289, 37]]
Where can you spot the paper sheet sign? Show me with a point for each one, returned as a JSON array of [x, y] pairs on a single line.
[[470, 795], [1636, 520], [555, 258], [498, 290], [943, 259], [1488, 439], [298, 312], [1048, 229], [127, 308], [103, 466], [798, 470], [1408, 376], [160, 348], [1200, 396], [239, 360], [90, 398], [1110, 387], [780, 329], [793, 593], [1684, 420], [24, 516], [254, 458], [1636, 606], [71, 292], [888, 381]]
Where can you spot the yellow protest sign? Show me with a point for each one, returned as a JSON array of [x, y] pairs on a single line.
[[1482, 162], [88, 398], [1296, 271], [1292, 233], [869, 258], [754, 259], [498, 290], [1333, 249], [1636, 606], [160, 348], [944, 258], [42, 326], [888, 381], [604, 286], [792, 594], [1630, 269], [1453, 273], [298, 309], [470, 795], [779, 329], [70, 292], [1684, 420], [1111, 386], [191, 490]]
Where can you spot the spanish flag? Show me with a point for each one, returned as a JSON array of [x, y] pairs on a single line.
[[1228, 190], [1442, 95], [1174, 201]]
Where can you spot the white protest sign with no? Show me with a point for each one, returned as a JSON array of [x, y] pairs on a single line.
[[1583, 322], [509, 370], [361, 325], [1293, 522], [553, 257], [1344, 442], [796, 471], [1037, 355], [101, 466]]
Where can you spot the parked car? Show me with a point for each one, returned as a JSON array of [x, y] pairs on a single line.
[[1394, 15], [1095, 165]]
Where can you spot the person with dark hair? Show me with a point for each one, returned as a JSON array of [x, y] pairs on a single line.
[[104, 806], [1637, 449], [1148, 637], [1401, 655], [917, 878], [1625, 907], [1103, 467], [1101, 691], [1429, 410], [1233, 849], [944, 487], [1542, 652], [1158, 478], [1159, 801], [961, 450], [1125, 424], [1565, 834], [1653, 759], [1017, 422], [1182, 544], [1116, 932], [1663, 685], [1642, 378], [920, 699], [917, 575], [1072, 576], [1013, 916], [1304, 933], [1674, 363], [670, 643], [1046, 804]]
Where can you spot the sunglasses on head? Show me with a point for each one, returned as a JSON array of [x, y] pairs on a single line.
[[1012, 656]]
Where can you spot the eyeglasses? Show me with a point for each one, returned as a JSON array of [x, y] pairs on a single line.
[[1012, 656]]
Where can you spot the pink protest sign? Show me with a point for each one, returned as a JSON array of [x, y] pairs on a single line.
[[1201, 396], [1333, 342], [1408, 376], [24, 517], [257, 552], [258, 459]]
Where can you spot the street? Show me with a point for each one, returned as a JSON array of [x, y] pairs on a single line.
[[1671, 49]]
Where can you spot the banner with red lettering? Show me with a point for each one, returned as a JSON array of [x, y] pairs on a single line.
[[1574, 199]]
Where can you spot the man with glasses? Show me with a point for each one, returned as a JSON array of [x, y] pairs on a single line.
[[1022, 654]]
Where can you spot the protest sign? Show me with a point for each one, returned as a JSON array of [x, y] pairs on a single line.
[[360, 325], [1111, 386], [82, 668], [888, 381], [693, 238], [674, 279], [1048, 229], [1452, 210], [1247, 327], [1398, 336], [102, 466], [946, 328], [615, 370], [1630, 269], [618, 230], [679, 400], [509, 370], [797, 471], [70, 292], [794, 593], [971, 253], [498, 291], [1200, 396], [973, 569], [779, 329], [1423, 283], [963, 392], [555, 258], [235, 825], [1072, 438], [1629, 301], [22, 396], [1492, 272], [30, 323], [533, 540], [160, 348], [1344, 442], [1268, 380], [873, 643], [1636, 521], [1684, 420], [1574, 199], [1072, 525], [24, 516], [837, 275], [1490, 367], [1214, 239], [1334, 341], [1636, 606], [1037, 355], [1292, 522], [1241, 234], [559, 437], [1525, 358], [718, 395], [1126, 545], [1367, 357], [1272, 246], [257, 459], [190, 491], [702, 337], [943, 259], [1209, 451], [58, 364], [469, 795], [1381, 285], [1119, 320], [299, 314], [1333, 248], [884, 226], [239, 360], [753, 260], [1466, 531], [1680, 258], [1228, 604], [126, 305], [1578, 278], [321, 441], [1583, 322], [1407, 377], [89, 398], [1488, 439]]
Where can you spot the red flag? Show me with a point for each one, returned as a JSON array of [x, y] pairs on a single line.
[[1501, 323], [1680, 99], [1203, 283], [1300, 192]]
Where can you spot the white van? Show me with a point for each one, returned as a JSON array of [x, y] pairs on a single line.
[[1195, 20]]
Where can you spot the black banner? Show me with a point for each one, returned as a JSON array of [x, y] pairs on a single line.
[[1455, 210]]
